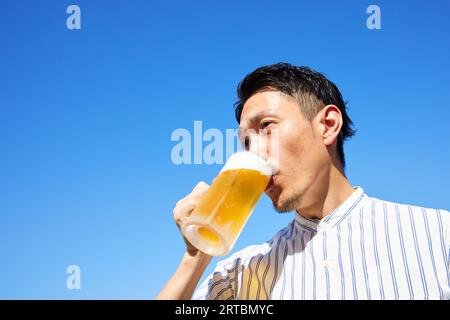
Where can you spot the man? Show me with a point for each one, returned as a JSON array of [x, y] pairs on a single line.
[[342, 244]]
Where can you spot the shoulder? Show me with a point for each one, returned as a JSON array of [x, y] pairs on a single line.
[[393, 208], [245, 256], [222, 282]]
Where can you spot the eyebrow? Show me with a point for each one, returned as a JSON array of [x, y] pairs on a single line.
[[253, 119], [258, 116]]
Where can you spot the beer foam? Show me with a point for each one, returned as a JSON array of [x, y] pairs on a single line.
[[248, 160]]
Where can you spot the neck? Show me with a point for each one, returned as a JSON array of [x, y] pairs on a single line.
[[324, 197]]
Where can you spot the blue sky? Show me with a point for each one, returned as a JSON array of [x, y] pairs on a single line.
[[86, 117]]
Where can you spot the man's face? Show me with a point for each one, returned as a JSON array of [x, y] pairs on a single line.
[[274, 127]]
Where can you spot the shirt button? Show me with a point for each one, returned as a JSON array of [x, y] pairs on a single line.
[[325, 263]]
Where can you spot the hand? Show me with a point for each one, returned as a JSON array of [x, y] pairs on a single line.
[[184, 208]]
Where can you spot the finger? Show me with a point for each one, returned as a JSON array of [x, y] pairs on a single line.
[[201, 184], [182, 202], [184, 211], [199, 189]]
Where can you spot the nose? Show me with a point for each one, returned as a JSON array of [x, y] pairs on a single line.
[[267, 147]]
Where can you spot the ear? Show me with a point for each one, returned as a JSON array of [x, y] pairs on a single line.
[[330, 123]]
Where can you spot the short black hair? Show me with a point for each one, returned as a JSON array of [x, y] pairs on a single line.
[[312, 90]]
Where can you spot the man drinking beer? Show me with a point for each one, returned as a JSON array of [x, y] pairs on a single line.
[[341, 244]]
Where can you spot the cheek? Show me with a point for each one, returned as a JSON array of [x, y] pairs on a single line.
[[290, 147], [292, 138]]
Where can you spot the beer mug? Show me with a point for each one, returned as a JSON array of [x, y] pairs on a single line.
[[217, 221]]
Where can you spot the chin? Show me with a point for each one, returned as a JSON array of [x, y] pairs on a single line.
[[278, 204], [282, 208], [285, 203]]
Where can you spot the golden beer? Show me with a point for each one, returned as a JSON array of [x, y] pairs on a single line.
[[216, 222]]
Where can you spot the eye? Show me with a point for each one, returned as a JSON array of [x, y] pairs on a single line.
[[265, 124]]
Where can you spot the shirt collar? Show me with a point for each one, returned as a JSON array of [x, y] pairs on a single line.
[[335, 217]]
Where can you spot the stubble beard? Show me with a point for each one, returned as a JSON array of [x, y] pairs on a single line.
[[288, 204]]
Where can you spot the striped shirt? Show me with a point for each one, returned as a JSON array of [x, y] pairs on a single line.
[[365, 249]]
